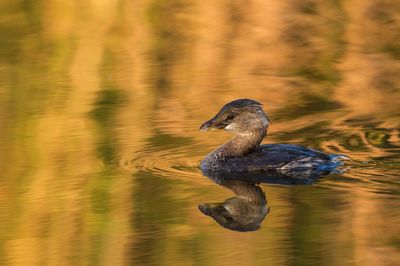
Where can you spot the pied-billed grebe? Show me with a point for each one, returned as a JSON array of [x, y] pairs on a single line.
[[243, 153]]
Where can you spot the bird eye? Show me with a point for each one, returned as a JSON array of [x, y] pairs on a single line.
[[230, 117]]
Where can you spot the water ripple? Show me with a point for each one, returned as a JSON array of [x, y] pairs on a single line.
[[175, 163]]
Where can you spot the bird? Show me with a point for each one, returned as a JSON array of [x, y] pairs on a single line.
[[244, 153]]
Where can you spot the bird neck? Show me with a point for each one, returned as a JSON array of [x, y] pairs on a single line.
[[239, 146]]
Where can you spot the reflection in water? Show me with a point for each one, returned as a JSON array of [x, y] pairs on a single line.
[[247, 210], [86, 85], [244, 212]]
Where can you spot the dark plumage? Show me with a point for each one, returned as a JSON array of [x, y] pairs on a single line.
[[243, 153]]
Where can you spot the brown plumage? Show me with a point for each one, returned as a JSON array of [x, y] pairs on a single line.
[[243, 153]]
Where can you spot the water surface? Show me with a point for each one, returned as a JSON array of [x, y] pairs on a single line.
[[100, 105]]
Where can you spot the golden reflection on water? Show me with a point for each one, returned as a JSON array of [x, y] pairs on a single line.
[[100, 104]]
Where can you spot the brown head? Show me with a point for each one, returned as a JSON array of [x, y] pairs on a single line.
[[242, 116]]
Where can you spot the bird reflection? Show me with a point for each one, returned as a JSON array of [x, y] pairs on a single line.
[[244, 212], [248, 208]]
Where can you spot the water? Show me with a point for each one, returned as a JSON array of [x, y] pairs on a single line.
[[100, 105]]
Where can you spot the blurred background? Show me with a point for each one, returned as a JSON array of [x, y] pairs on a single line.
[[100, 105]]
